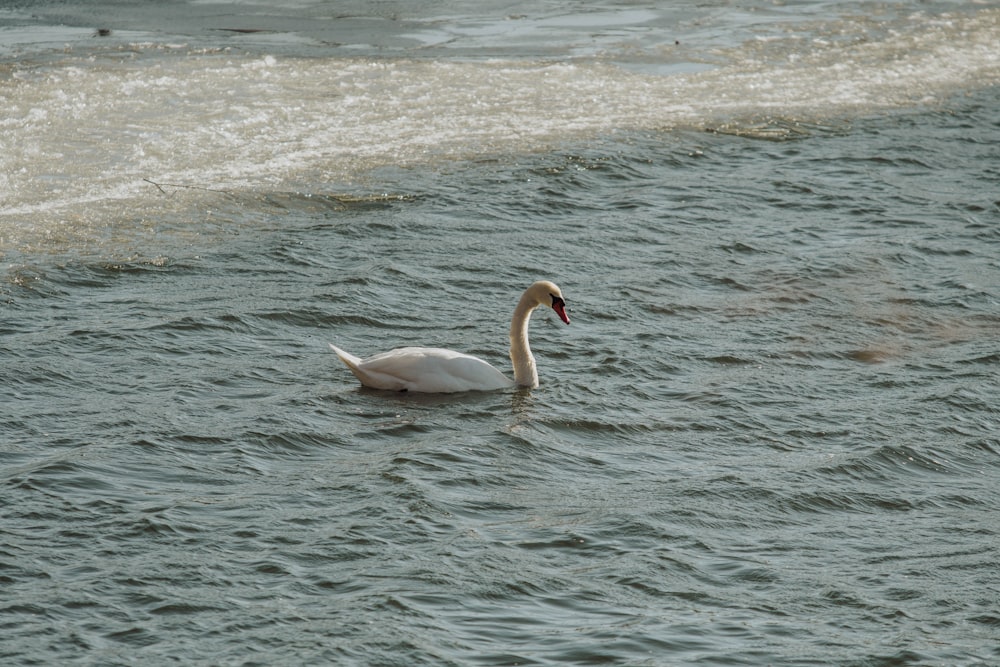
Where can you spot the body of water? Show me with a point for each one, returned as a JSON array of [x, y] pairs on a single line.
[[770, 436]]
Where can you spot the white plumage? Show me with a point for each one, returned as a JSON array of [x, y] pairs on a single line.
[[427, 369], [436, 370]]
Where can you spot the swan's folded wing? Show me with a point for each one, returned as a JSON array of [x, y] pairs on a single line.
[[454, 372], [427, 369]]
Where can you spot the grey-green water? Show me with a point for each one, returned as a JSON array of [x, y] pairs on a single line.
[[769, 437]]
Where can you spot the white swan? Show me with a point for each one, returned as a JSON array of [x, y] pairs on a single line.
[[434, 370]]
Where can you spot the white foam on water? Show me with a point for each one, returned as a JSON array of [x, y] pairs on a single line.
[[80, 137]]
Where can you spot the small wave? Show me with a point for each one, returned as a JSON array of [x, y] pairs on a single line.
[[885, 462]]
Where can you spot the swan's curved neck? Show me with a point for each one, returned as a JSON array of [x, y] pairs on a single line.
[[525, 373]]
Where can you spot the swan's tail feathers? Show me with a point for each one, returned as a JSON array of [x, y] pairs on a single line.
[[368, 378], [349, 359]]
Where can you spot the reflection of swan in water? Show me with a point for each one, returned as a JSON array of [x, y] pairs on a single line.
[[435, 370]]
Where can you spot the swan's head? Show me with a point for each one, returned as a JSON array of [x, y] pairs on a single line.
[[546, 293]]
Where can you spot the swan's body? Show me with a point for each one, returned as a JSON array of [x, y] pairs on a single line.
[[436, 370]]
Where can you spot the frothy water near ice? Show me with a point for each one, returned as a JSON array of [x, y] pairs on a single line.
[[87, 137]]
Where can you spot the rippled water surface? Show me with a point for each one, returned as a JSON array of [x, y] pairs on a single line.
[[769, 437]]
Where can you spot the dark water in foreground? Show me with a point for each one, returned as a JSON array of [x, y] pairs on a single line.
[[769, 437]]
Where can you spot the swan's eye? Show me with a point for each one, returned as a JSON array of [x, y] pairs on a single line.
[[559, 306]]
